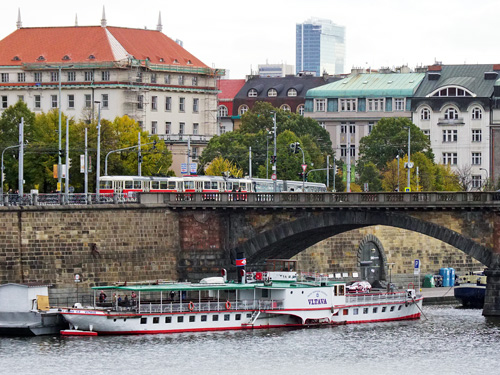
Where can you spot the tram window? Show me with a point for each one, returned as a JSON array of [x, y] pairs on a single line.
[[168, 319], [214, 185], [155, 185], [215, 318], [163, 185], [227, 317], [180, 319], [188, 185], [355, 311], [203, 318], [129, 184], [144, 320], [192, 318], [206, 185], [137, 184], [156, 320], [229, 186], [171, 185], [237, 317]]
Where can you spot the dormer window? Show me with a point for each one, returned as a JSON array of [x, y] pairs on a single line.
[[41, 58], [176, 61], [272, 93], [66, 57], [252, 93], [91, 57], [189, 62], [161, 59], [292, 92], [16, 58]]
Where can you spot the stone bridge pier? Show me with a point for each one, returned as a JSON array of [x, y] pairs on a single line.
[[492, 299]]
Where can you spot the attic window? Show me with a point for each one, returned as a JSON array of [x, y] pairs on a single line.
[[41, 58], [176, 61], [16, 58], [91, 57], [66, 57], [189, 62], [161, 59]]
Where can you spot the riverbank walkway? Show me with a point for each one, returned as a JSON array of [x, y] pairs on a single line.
[[438, 296]]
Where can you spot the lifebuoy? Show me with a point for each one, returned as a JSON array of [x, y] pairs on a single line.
[[191, 306], [228, 305]]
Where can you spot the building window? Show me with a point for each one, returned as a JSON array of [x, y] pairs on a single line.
[[21, 77], [181, 127], [88, 100], [154, 103], [182, 104], [20, 98], [476, 135], [476, 158], [451, 91], [168, 103], [427, 132], [292, 92], [252, 93], [242, 109], [5, 77], [4, 102], [140, 101], [154, 127], [54, 76], [38, 77], [319, 105], [301, 109], [450, 158], [352, 128], [353, 151], [223, 112], [181, 80], [71, 76], [370, 127], [38, 102], [286, 108], [375, 105], [89, 76], [195, 81], [168, 127], [451, 114], [105, 75], [194, 152], [450, 135], [425, 114], [167, 79], [105, 100], [343, 128], [153, 77], [477, 113], [196, 128], [343, 151], [196, 105], [477, 182], [399, 105], [53, 101], [222, 129], [272, 93], [322, 124], [348, 105], [141, 125], [71, 101]]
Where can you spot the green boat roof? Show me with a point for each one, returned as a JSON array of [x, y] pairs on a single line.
[[370, 85]]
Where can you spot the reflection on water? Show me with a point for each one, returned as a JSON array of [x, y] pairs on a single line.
[[448, 342]]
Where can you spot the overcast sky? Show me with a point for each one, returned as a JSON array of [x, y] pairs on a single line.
[[238, 35]]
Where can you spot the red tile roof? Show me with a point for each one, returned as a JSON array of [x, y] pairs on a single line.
[[79, 42], [229, 87]]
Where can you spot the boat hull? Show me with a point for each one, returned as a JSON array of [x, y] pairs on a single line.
[[471, 295], [33, 323]]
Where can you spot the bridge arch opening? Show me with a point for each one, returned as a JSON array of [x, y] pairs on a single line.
[[372, 260]]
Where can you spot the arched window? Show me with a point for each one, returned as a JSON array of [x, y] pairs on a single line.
[[300, 109], [451, 114], [292, 92], [252, 93], [272, 93], [286, 107], [243, 108], [451, 91], [425, 114], [223, 112], [477, 113]]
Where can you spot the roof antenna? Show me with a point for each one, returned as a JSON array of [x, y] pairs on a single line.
[[159, 27], [19, 24], [103, 20], [76, 19]]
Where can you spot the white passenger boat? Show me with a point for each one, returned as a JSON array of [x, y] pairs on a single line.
[[262, 300]]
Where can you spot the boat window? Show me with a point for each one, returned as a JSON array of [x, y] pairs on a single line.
[[129, 184], [203, 318], [345, 312], [265, 293], [180, 319], [155, 185], [237, 317], [156, 320], [375, 309], [392, 308], [355, 311], [335, 290], [384, 308], [144, 320], [341, 290], [400, 306], [168, 319], [365, 310], [215, 318], [192, 318], [227, 317], [249, 315], [164, 185]]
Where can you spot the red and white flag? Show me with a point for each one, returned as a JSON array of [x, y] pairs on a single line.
[[241, 262]]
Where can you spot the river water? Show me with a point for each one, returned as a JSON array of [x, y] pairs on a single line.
[[449, 340]]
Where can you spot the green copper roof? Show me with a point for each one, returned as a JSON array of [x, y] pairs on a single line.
[[370, 85]]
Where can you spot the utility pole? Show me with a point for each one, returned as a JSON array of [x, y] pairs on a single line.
[[98, 162], [250, 161], [275, 184], [409, 164], [139, 156], [327, 171], [21, 158], [348, 159], [86, 170], [66, 183]]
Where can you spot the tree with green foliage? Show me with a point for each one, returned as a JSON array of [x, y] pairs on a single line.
[[223, 167], [370, 175]]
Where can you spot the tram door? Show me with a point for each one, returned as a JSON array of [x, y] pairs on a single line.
[[370, 263]]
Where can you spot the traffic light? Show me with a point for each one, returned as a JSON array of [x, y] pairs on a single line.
[[273, 159], [69, 163], [295, 147], [61, 153], [301, 174], [140, 158]]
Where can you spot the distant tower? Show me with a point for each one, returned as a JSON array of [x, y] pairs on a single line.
[[320, 47], [19, 24], [103, 20], [76, 19], [159, 27]]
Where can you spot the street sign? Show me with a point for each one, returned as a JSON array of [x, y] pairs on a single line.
[[184, 168], [78, 278], [82, 163], [273, 177], [416, 267], [193, 168], [304, 167], [407, 189]]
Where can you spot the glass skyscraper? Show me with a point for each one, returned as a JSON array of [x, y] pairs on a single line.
[[320, 47]]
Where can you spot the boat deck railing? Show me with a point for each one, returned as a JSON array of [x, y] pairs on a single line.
[[194, 306], [358, 298]]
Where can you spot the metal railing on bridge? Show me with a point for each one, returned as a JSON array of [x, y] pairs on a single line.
[[66, 199]]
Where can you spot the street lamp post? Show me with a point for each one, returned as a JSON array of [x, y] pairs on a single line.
[[98, 161], [275, 185], [397, 157], [59, 151], [409, 163], [3, 168]]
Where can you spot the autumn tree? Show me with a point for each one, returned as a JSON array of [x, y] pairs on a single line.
[[223, 167]]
